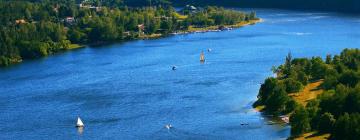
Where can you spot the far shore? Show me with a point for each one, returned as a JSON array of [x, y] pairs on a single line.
[[191, 29], [214, 28]]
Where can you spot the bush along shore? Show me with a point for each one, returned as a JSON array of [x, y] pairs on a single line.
[[322, 97], [36, 29]]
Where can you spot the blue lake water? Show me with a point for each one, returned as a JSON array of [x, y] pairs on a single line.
[[128, 90]]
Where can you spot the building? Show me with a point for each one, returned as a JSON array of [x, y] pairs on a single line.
[[70, 20], [141, 28], [20, 21]]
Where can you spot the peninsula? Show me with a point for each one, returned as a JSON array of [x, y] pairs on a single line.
[[321, 97]]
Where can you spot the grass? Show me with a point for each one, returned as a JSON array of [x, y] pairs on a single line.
[[260, 108], [74, 46], [180, 17], [152, 36], [310, 91], [313, 136], [216, 27], [193, 29], [244, 23]]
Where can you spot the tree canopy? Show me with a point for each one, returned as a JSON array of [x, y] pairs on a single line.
[[335, 111], [36, 28]]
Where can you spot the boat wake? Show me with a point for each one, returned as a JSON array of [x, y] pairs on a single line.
[[297, 33], [175, 133], [318, 17]]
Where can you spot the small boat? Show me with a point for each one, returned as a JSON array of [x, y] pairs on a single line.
[[271, 123], [202, 57], [209, 50], [168, 126], [79, 123], [174, 67], [285, 119]]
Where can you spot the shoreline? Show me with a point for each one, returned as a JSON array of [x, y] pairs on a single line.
[[310, 91], [191, 30], [215, 28]]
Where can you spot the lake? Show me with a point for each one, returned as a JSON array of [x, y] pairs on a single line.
[[128, 90]]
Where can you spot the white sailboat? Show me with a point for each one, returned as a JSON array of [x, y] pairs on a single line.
[[202, 57], [79, 123], [168, 126]]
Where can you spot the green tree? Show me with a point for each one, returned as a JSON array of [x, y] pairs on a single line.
[[318, 68], [276, 103], [266, 90], [328, 59], [349, 78], [299, 121], [342, 127], [287, 67], [326, 123], [292, 85]]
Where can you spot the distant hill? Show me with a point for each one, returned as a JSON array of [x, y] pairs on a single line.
[[351, 6]]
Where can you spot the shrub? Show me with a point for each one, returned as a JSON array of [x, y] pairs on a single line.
[[292, 85], [326, 123], [299, 121]]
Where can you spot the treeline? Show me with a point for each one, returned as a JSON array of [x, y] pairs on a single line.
[[217, 16], [335, 111], [35, 28], [351, 6]]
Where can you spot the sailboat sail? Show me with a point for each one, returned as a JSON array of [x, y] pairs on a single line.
[[79, 123], [202, 57]]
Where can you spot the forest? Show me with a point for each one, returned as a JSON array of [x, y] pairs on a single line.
[[36, 28], [335, 111], [347, 6]]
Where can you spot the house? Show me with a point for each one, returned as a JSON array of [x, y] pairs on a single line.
[[56, 8], [163, 17], [84, 4], [189, 9], [127, 33], [96, 8], [192, 8], [20, 21], [141, 28], [87, 5], [69, 20]]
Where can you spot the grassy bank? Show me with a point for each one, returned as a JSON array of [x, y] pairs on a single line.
[[75, 46], [321, 97], [193, 29], [211, 28], [310, 91], [313, 136]]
